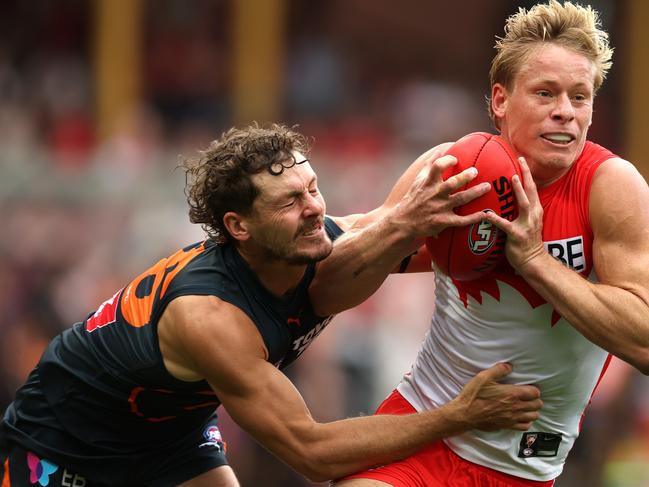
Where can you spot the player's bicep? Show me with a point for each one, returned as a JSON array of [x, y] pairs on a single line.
[[620, 222], [227, 350]]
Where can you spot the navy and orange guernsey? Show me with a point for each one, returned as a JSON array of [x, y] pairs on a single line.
[[101, 395]]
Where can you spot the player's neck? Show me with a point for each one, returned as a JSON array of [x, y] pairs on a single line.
[[278, 276]]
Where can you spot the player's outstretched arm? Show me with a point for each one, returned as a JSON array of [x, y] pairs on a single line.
[[218, 341], [614, 312], [420, 204]]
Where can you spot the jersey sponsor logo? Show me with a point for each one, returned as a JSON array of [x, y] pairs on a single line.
[[302, 343], [39, 469], [570, 251], [105, 314], [72, 479]]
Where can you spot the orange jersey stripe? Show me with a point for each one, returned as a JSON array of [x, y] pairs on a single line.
[[5, 478]]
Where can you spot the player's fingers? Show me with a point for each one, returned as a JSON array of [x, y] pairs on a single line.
[[430, 155], [495, 372], [463, 197], [531, 416], [464, 220], [528, 393], [439, 165], [532, 405], [527, 416], [529, 406], [522, 426], [434, 152], [502, 223], [522, 200], [528, 181], [456, 181]]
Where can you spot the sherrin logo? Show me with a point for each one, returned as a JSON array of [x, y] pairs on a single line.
[[482, 236]]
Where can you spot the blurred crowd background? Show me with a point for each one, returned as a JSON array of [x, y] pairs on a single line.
[[99, 100]]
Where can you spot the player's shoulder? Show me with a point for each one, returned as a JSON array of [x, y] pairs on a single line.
[[603, 167], [204, 313], [615, 163], [196, 267], [616, 173], [203, 326], [619, 195]]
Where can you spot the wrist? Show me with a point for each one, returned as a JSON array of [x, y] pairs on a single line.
[[454, 417], [397, 229], [534, 264]]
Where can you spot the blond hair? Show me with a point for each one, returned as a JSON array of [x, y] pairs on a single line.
[[568, 25]]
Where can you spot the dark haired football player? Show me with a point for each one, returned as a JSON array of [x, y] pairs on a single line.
[[128, 396]]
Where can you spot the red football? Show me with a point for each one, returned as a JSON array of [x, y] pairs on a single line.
[[466, 253]]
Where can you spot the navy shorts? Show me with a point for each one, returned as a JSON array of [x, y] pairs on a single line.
[[21, 466]]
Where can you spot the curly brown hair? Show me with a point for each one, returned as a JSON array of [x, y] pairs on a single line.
[[219, 180]]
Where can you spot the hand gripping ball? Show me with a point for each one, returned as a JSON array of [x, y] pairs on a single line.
[[466, 253]]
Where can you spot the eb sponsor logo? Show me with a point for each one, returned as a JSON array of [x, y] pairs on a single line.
[[570, 251]]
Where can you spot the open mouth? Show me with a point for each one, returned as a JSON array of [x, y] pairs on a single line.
[[311, 230], [558, 138]]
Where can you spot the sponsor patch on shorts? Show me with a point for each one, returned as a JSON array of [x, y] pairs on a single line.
[[213, 438], [40, 469], [539, 444]]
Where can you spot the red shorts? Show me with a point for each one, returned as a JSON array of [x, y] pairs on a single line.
[[437, 465]]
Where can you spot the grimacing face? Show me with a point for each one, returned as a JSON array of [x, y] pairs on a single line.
[[546, 114], [288, 215]]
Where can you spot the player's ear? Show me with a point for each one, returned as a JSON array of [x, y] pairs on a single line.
[[499, 98], [236, 225]]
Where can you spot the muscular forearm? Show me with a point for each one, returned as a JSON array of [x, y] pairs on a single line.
[[344, 447], [361, 260], [420, 204], [269, 407], [614, 318]]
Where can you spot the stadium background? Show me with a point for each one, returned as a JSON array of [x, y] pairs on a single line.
[[98, 99]]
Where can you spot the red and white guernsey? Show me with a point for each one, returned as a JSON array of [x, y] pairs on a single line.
[[501, 318]]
